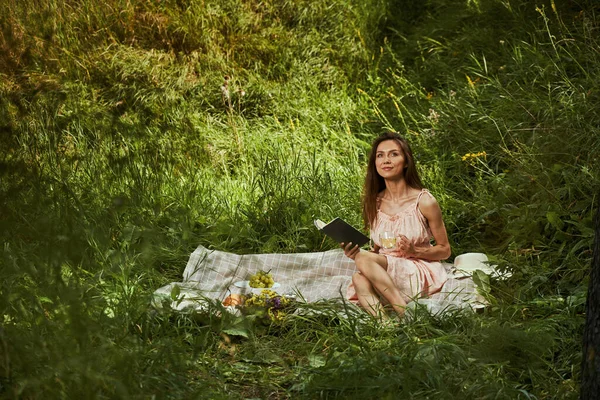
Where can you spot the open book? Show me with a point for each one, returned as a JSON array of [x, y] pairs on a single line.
[[342, 232]]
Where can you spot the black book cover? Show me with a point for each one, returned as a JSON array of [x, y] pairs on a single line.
[[342, 232]]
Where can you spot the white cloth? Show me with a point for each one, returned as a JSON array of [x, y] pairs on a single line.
[[314, 276]]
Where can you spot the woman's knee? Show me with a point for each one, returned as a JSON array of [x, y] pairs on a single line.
[[366, 261], [360, 281], [363, 261]]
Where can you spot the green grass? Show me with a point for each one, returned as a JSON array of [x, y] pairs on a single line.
[[120, 153]]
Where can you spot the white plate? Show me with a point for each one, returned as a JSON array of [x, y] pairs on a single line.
[[246, 284]]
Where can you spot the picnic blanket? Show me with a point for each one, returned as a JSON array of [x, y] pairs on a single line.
[[311, 277]]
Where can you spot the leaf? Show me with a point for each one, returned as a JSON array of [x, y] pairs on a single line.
[[554, 220], [131, 233], [482, 281], [236, 331], [175, 292], [44, 299], [316, 361]]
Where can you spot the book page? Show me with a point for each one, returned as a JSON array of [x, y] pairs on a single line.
[[319, 224]]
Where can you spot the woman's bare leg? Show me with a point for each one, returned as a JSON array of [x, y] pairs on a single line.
[[367, 296], [373, 267]]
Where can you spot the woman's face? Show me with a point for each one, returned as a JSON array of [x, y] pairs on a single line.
[[389, 160]]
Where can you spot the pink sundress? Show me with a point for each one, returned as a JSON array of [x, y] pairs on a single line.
[[413, 277]]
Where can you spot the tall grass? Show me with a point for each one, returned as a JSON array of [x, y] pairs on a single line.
[[525, 100], [124, 147]]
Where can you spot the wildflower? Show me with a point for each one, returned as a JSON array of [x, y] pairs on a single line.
[[225, 91], [472, 157], [471, 82], [429, 95], [433, 115], [271, 301], [277, 302]]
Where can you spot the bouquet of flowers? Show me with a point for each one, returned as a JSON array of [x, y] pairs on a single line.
[[267, 301]]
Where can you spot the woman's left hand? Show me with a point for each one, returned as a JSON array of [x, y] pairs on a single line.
[[406, 246]]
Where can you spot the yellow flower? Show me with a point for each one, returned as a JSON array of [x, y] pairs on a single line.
[[472, 82], [471, 157]]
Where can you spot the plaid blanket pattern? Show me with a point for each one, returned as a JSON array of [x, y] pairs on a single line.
[[313, 276]]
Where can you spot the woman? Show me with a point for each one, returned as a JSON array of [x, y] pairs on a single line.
[[394, 201]]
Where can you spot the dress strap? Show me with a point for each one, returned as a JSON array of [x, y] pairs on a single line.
[[419, 197]]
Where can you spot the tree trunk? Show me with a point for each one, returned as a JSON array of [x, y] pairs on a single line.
[[590, 364]]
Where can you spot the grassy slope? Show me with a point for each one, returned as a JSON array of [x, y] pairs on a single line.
[[120, 153]]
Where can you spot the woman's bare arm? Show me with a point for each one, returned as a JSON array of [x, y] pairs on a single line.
[[431, 211]]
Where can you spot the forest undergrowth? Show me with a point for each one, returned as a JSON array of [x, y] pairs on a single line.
[[133, 131]]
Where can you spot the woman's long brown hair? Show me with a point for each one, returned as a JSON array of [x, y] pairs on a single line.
[[374, 183]]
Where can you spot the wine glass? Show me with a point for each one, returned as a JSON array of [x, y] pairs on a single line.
[[388, 240]]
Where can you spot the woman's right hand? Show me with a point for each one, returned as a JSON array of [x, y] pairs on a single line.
[[350, 250]]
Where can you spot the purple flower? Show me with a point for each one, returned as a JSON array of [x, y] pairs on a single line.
[[276, 302]]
